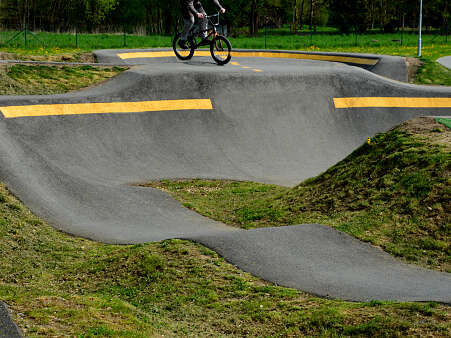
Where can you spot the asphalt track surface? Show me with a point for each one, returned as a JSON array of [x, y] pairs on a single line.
[[8, 329], [260, 119]]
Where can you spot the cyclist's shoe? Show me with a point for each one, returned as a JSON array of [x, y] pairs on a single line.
[[182, 44]]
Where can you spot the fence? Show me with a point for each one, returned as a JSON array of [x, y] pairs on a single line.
[[267, 38]]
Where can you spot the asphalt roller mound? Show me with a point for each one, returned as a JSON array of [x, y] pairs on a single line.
[[280, 125]]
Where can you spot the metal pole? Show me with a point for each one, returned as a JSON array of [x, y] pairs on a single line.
[[311, 22], [26, 24], [420, 28], [25, 34], [446, 39], [266, 24], [356, 35], [402, 31]]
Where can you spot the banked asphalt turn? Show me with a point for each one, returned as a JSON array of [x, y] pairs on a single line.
[[74, 159]]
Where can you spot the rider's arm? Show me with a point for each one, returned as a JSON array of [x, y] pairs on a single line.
[[216, 2], [190, 6]]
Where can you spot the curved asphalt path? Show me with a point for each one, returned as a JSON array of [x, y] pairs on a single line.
[[8, 329], [273, 121], [445, 61]]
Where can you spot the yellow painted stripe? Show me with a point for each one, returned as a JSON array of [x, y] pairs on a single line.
[[287, 55], [393, 102], [103, 108], [145, 55], [257, 70], [234, 63], [334, 58]]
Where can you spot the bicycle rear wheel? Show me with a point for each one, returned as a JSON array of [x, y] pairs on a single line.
[[221, 50], [181, 53]]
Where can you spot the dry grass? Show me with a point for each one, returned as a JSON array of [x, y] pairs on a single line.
[[39, 80]]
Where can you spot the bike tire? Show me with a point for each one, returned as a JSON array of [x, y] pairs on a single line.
[[182, 54], [221, 50]]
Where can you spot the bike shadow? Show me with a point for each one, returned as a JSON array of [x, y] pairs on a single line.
[[203, 63]]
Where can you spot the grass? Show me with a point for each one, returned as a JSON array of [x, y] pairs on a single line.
[[446, 122], [58, 285], [326, 37], [394, 193], [39, 80], [433, 73], [61, 47]]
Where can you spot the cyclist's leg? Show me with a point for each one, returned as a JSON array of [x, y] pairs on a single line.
[[187, 25]]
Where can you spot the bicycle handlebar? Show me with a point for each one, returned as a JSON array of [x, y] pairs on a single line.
[[212, 16]]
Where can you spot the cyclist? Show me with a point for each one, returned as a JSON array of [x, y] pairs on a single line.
[[191, 8]]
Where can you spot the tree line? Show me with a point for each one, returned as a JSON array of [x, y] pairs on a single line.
[[243, 16]]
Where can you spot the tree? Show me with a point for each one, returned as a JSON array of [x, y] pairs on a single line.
[[349, 15]]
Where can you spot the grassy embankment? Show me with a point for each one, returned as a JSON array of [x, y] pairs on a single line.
[[58, 285], [39, 80], [60, 47], [394, 193]]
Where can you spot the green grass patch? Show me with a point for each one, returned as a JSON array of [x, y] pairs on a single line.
[[433, 73], [61, 47], [58, 285], [325, 37], [445, 121], [225, 198], [394, 192], [35, 80]]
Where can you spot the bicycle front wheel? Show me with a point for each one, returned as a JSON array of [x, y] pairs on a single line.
[[221, 50], [183, 53]]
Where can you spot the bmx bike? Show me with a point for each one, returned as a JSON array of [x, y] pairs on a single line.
[[220, 46]]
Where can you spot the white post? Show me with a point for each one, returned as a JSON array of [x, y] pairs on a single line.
[[420, 28]]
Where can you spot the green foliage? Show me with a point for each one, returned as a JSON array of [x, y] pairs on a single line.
[[349, 16], [97, 11], [154, 16]]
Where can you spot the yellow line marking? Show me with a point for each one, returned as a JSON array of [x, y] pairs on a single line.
[[334, 58], [138, 55], [258, 70], [393, 102], [285, 55], [104, 108], [234, 63], [245, 67]]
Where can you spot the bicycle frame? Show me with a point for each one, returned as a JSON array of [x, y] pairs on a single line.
[[213, 29], [220, 47]]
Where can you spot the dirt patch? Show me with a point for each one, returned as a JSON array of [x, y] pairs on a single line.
[[86, 58], [77, 57], [28, 79], [413, 64], [7, 56], [428, 127], [7, 84]]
